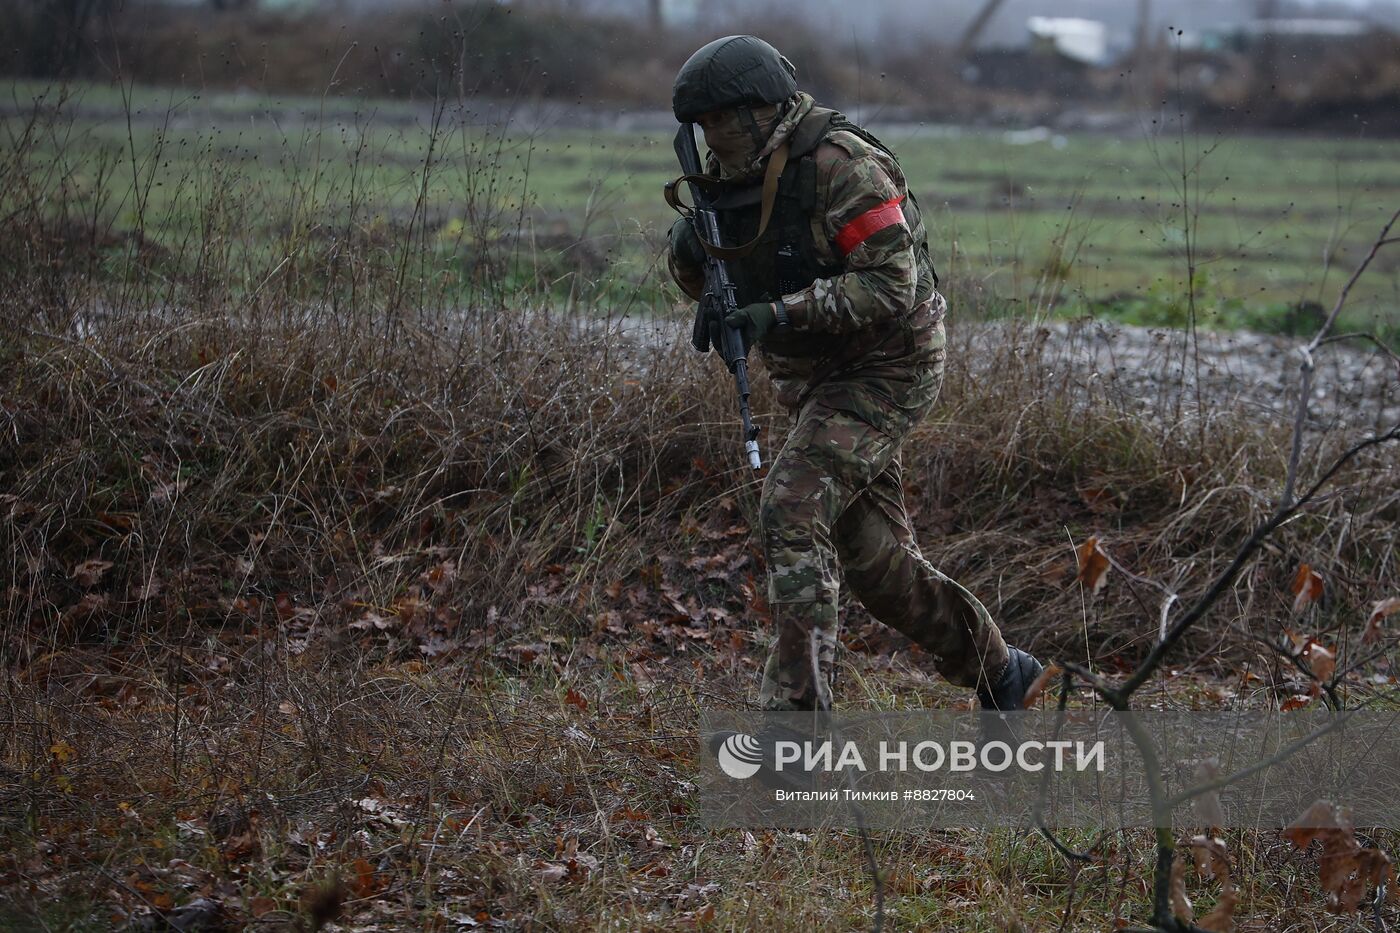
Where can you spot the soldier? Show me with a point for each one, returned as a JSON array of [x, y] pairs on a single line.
[[836, 288]]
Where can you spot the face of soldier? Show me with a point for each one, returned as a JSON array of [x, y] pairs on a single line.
[[735, 141]]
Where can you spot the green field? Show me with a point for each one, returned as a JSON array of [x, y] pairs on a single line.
[[1054, 222]]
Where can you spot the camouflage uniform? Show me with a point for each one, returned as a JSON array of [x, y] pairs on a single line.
[[859, 367]]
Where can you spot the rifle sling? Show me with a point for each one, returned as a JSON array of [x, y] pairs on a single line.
[[776, 163]]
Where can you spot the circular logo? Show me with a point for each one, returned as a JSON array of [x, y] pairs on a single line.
[[740, 756]]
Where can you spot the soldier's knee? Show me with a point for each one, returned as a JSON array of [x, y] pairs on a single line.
[[786, 526], [779, 511]]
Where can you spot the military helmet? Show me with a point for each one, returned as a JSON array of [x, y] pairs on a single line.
[[732, 72]]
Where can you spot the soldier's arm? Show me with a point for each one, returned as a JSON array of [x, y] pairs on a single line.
[[867, 233]]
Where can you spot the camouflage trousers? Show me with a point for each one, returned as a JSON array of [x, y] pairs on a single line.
[[833, 497]]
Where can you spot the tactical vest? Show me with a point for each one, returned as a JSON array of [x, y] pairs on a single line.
[[785, 260]]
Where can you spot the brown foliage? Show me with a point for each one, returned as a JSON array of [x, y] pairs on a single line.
[[1347, 870]]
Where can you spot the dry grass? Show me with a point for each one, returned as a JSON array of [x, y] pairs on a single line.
[[447, 608], [413, 608]]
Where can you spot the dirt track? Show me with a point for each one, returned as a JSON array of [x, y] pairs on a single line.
[[1153, 369], [1355, 387]]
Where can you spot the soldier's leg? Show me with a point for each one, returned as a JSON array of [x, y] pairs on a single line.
[[829, 457], [892, 579]]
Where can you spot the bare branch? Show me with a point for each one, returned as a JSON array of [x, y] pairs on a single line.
[[1330, 687], [1063, 849]]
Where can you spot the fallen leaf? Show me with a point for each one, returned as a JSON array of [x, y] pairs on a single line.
[[285, 607], [581, 865], [1207, 806], [440, 576], [574, 698], [242, 846], [149, 590], [1181, 904], [1346, 869], [90, 572], [1306, 587], [373, 620], [435, 646], [1379, 612], [1038, 686], [166, 492], [202, 913], [366, 883], [1099, 498], [1321, 661], [553, 872], [1093, 565], [1213, 861]]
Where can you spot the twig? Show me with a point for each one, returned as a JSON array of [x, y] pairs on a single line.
[[1286, 507], [1106, 688], [1296, 660], [1305, 387], [1367, 335], [1066, 685], [1334, 723], [1171, 596], [823, 694]]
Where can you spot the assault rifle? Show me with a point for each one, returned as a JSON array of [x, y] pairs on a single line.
[[719, 297]]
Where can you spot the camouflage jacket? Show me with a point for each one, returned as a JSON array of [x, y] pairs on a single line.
[[878, 319]]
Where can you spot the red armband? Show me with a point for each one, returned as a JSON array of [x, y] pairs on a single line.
[[868, 224]]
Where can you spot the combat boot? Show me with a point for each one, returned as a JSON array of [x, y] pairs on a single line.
[[1008, 694]]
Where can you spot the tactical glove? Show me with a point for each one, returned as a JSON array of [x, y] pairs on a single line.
[[755, 320]]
